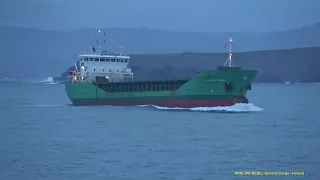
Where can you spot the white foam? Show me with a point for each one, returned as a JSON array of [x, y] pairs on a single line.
[[142, 105], [51, 83], [8, 79], [49, 79], [240, 107]]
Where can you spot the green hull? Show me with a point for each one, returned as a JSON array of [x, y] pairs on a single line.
[[223, 87]]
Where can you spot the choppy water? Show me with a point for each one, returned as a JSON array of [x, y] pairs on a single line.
[[43, 137]]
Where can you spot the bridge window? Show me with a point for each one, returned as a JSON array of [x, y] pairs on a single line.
[[108, 60], [94, 69], [126, 60], [102, 59], [91, 59], [121, 60], [113, 60], [85, 59], [96, 59], [118, 60], [103, 70]]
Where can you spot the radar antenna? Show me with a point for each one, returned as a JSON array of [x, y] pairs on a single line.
[[99, 47], [122, 50], [230, 43]]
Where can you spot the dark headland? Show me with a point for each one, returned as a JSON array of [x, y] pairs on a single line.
[[291, 55], [274, 66]]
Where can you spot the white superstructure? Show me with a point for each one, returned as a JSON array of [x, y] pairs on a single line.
[[100, 63]]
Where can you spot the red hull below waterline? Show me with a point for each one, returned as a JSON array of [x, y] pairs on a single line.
[[169, 104]]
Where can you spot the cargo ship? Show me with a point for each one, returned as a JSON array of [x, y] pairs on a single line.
[[104, 78]]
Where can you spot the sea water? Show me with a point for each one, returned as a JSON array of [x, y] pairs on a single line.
[[42, 136]]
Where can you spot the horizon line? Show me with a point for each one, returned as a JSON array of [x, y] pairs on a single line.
[[154, 29]]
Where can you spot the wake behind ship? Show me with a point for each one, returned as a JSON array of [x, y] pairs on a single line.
[[104, 78]]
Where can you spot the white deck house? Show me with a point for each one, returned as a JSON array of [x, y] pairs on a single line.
[[112, 66]]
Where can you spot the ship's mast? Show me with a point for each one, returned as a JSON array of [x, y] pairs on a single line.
[[230, 43], [99, 47]]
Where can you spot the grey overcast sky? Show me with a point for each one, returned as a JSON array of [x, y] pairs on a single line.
[[174, 15]]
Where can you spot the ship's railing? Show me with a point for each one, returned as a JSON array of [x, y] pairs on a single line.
[[114, 53], [79, 78], [107, 53], [167, 79], [92, 79]]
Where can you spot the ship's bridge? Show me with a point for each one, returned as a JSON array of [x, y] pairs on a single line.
[[97, 63], [114, 66]]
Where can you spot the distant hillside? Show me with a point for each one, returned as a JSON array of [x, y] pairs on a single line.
[[276, 66], [29, 52]]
